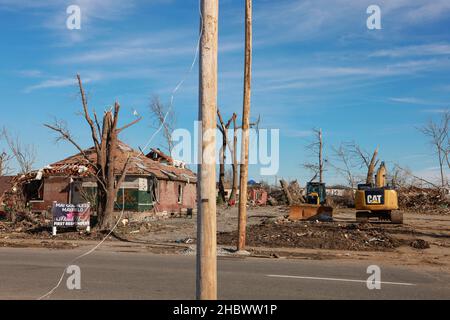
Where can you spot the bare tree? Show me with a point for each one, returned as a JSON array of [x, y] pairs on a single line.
[[403, 177], [316, 148], [223, 128], [24, 154], [4, 164], [164, 117], [437, 132], [365, 159], [346, 166], [105, 139]]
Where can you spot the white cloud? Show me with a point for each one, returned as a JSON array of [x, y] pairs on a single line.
[[435, 49], [299, 20], [417, 101], [294, 133], [409, 100], [52, 83], [30, 73], [278, 77], [162, 44], [443, 110]]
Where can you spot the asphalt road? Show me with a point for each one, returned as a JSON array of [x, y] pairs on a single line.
[[31, 273]]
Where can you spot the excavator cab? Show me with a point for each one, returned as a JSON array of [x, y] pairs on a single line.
[[316, 193]]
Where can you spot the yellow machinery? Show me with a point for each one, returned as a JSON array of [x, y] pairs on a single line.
[[315, 203], [379, 201]]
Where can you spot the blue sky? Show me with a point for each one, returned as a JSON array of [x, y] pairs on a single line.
[[315, 65]]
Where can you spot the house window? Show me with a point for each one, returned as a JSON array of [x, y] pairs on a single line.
[[35, 190], [180, 193]]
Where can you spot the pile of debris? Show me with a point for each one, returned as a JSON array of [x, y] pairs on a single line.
[[313, 235], [424, 200], [289, 194]]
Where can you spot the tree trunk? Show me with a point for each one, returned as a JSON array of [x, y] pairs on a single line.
[[441, 167], [285, 187], [108, 220], [110, 132], [222, 166], [371, 167], [101, 204], [235, 164]]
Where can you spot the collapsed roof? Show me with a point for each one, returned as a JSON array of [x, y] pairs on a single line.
[[78, 166]]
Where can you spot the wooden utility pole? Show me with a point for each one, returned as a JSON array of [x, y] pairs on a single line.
[[245, 126], [320, 157], [206, 185]]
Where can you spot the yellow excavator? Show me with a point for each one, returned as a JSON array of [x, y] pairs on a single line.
[[379, 201]]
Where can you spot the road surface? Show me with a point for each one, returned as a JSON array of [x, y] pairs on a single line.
[[31, 273]]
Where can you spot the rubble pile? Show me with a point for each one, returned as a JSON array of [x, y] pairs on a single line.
[[23, 223], [314, 235], [420, 244], [423, 200], [5, 227], [279, 196]]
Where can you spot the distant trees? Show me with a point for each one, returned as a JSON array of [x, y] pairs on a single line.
[[343, 164], [4, 164], [437, 133], [163, 117], [315, 148], [23, 154], [349, 158]]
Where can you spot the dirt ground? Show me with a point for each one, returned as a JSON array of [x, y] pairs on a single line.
[[423, 240]]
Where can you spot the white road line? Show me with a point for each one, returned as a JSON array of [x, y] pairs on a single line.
[[337, 279]]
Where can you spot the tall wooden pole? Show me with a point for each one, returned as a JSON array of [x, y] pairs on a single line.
[[206, 185], [245, 126], [320, 157]]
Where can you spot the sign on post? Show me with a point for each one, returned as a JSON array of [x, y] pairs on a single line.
[[71, 215]]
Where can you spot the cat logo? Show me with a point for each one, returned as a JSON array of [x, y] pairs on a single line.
[[374, 198]]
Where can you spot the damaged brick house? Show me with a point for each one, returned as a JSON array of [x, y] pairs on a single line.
[[154, 182]]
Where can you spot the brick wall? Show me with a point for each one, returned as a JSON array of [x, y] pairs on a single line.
[[55, 189], [168, 196]]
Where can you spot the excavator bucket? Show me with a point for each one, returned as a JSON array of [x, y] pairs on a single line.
[[309, 212]]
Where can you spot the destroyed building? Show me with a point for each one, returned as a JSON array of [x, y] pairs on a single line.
[[154, 182]]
